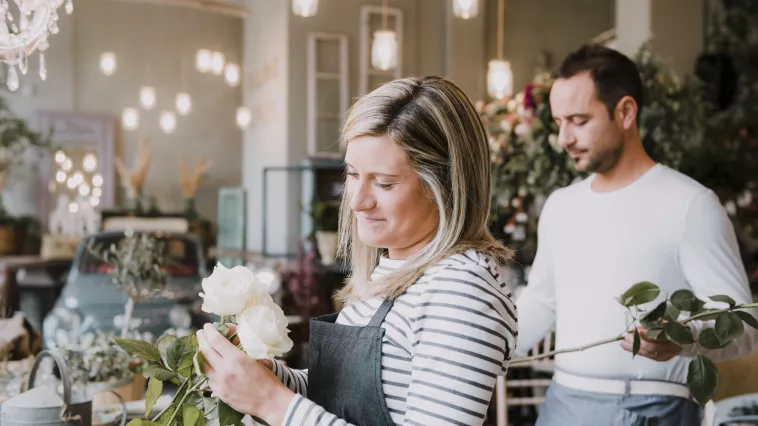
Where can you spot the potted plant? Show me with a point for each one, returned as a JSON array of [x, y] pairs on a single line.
[[325, 217]]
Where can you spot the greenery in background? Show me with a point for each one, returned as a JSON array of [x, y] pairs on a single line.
[[324, 216], [96, 359], [16, 137], [665, 320], [137, 262]]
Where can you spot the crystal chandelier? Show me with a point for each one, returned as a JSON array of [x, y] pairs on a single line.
[[21, 37]]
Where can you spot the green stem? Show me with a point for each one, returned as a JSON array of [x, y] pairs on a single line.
[[184, 398], [718, 311], [563, 351], [172, 401]]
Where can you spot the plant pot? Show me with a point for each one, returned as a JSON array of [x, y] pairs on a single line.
[[7, 239], [130, 389], [326, 241]]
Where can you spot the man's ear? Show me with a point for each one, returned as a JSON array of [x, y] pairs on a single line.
[[626, 111]]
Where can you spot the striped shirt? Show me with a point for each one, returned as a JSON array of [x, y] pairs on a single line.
[[447, 338]]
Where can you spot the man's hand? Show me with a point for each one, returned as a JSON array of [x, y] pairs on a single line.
[[659, 350]]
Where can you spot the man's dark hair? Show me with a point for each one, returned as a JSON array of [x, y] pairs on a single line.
[[614, 74]]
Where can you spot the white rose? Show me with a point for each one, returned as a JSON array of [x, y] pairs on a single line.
[[230, 291], [262, 330]]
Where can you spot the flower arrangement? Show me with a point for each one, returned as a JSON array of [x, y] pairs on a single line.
[[238, 297], [96, 359]]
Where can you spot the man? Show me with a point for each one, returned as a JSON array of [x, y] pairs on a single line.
[[631, 220]]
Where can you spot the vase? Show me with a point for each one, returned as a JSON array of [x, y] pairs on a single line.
[[326, 241]]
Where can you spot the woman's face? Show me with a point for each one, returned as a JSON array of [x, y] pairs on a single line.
[[391, 207]]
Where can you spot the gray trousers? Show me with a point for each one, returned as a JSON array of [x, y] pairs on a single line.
[[565, 406]]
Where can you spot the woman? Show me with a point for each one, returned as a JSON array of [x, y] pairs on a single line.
[[429, 323]]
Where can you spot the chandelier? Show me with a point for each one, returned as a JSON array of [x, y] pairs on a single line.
[[22, 36]]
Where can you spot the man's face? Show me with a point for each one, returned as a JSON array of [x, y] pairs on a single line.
[[587, 133]]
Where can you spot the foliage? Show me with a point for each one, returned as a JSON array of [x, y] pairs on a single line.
[[668, 319], [96, 359], [178, 360]]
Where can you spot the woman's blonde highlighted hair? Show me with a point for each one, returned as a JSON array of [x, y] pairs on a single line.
[[439, 129]]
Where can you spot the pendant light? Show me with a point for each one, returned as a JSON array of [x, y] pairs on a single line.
[[384, 47], [499, 73]]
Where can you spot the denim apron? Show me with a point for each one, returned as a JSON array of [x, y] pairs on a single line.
[[345, 368]]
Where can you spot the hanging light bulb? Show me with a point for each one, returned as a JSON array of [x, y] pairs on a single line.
[[67, 164], [203, 60], [232, 74], [168, 121], [89, 164], [97, 180], [73, 207], [217, 63], [183, 103], [60, 176], [60, 157], [84, 190], [108, 63], [147, 97], [304, 8], [384, 50], [499, 79], [243, 117], [465, 9], [130, 119]]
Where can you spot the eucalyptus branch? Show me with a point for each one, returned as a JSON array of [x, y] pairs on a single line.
[[521, 360], [719, 311]]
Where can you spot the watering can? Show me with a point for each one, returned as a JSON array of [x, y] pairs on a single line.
[[44, 406]]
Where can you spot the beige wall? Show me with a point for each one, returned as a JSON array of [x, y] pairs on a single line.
[[556, 27], [154, 44]]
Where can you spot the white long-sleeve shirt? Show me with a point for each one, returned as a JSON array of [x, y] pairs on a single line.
[[665, 228], [446, 340]]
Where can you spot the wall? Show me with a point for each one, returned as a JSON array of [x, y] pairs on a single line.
[[556, 27], [155, 45]]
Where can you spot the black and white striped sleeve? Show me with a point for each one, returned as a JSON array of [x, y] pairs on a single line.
[[464, 331], [295, 380]]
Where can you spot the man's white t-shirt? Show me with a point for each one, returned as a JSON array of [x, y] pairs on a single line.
[[665, 228]]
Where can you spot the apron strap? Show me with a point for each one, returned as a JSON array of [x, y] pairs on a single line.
[[381, 313]]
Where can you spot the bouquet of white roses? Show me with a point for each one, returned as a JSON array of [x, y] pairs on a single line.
[[238, 297]]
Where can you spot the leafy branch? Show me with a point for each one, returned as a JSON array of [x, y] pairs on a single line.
[[663, 324], [179, 361]]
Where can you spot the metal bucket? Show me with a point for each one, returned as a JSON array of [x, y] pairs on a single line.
[[44, 406]]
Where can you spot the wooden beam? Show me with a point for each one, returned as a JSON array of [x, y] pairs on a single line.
[[213, 6]]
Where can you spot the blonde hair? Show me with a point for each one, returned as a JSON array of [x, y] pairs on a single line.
[[446, 145]]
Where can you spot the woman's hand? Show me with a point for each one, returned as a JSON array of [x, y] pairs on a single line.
[[247, 385]]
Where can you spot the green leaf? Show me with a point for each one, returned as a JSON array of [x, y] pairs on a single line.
[[642, 292], [154, 390], [142, 422], [158, 372], [709, 314], [678, 333], [653, 316], [228, 416], [672, 312], [725, 299], [138, 348], [654, 333], [163, 344], [210, 407], [702, 379], [163, 419], [728, 327], [178, 352], [191, 415], [636, 344], [199, 363], [709, 340], [686, 301], [747, 318]]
